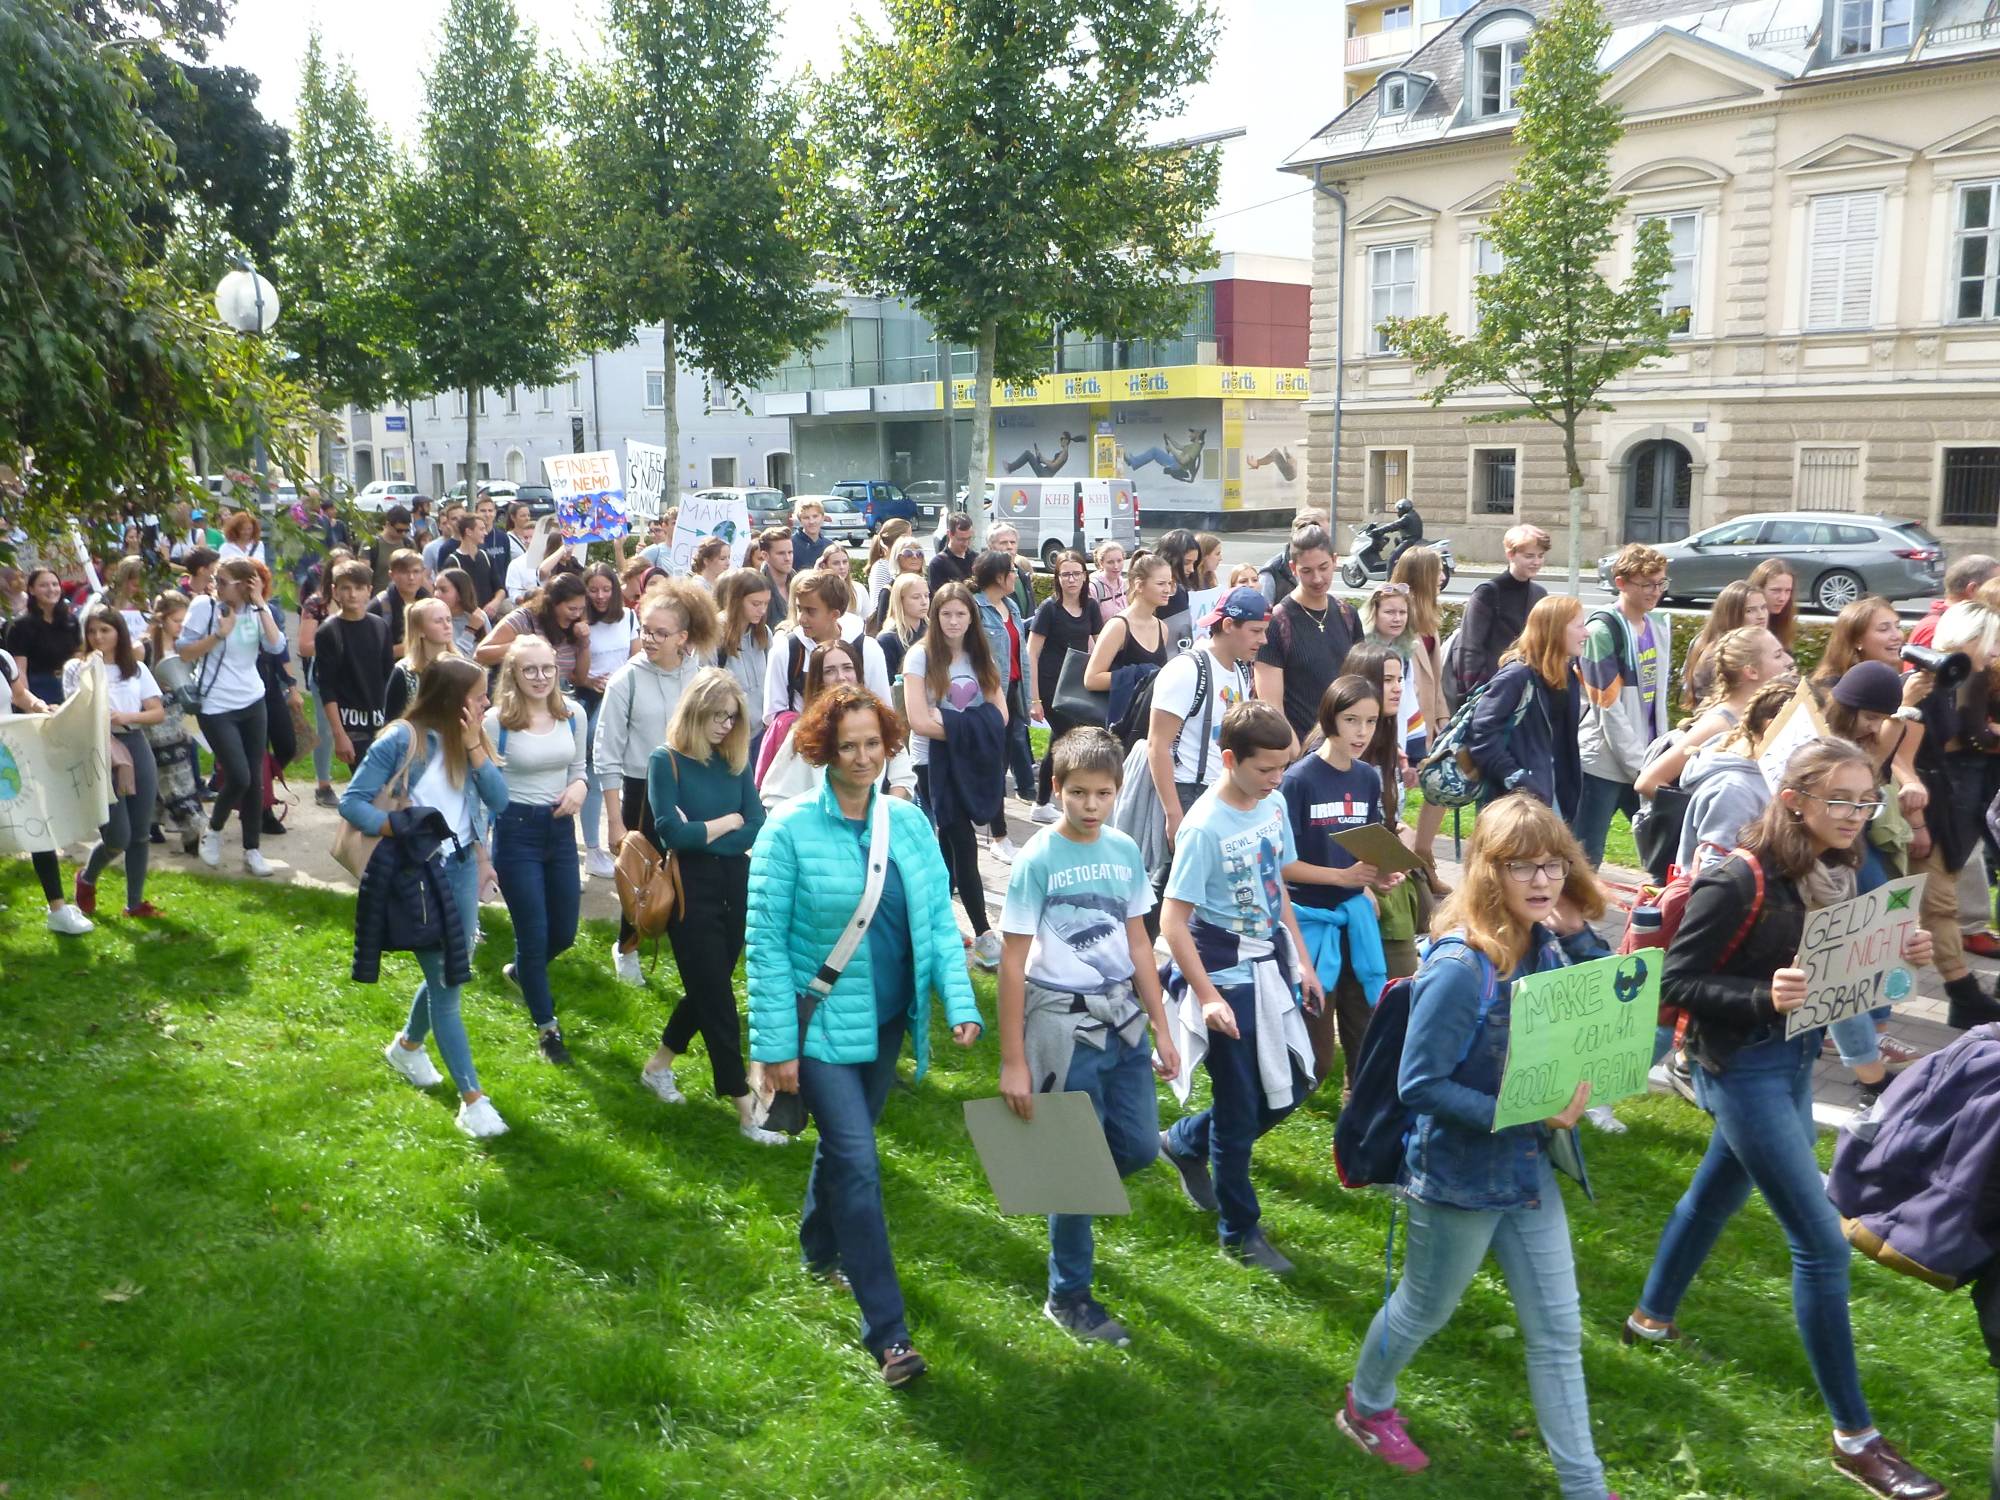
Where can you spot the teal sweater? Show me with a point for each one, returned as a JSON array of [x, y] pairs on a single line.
[[682, 794], [806, 876]]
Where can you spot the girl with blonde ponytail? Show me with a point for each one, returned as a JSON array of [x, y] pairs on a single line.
[[1745, 660]]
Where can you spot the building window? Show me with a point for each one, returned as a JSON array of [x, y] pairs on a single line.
[[1395, 96], [1873, 26], [482, 403], [1829, 478], [1446, 9], [1392, 289], [1396, 18], [513, 400], [1493, 481], [1499, 75], [1684, 244], [1388, 478], [575, 391], [1975, 252], [1840, 260], [517, 465], [1486, 261], [458, 403], [433, 408], [545, 398], [1971, 487], [722, 470], [656, 390], [437, 479]]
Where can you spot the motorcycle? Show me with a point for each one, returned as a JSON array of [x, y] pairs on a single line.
[[1365, 560]]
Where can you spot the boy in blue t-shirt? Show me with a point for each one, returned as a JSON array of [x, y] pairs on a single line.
[[1077, 988], [1238, 978]]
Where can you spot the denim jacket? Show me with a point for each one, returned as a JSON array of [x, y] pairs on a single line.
[[994, 622], [1450, 1078], [381, 764]]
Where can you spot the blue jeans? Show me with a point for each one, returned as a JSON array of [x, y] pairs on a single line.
[[593, 797], [1443, 1250], [843, 1225], [1119, 1080], [1857, 1038], [434, 1008], [1236, 1116], [534, 859], [1764, 1138], [1600, 799]]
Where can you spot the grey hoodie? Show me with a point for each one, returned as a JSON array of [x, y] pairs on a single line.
[[632, 721], [1726, 793]]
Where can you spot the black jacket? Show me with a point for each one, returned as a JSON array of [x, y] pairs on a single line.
[[1495, 616], [969, 766], [1954, 779], [405, 903], [1538, 754], [1729, 1002]]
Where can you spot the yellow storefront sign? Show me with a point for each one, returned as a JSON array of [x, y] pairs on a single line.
[[1161, 383]]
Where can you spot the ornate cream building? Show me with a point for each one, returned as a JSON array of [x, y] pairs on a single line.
[[1829, 173]]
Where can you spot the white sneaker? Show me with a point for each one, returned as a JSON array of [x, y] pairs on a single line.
[[763, 1137], [1004, 851], [255, 863], [626, 966], [599, 865], [210, 848], [1045, 812], [69, 922], [480, 1119], [661, 1083], [1600, 1115], [986, 950], [414, 1063]]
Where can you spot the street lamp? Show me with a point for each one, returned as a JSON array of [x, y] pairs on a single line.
[[248, 303]]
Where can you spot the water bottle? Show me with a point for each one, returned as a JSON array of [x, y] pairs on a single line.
[[1645, 926]]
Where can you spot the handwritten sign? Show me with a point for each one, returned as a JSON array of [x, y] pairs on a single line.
[[645, 477], [55, 771], [1591, 1021], [590, 501], [1798, 723], [704, 516], [1852, 953]]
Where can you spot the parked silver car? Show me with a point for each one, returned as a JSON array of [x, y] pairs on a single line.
[[1836, 557]]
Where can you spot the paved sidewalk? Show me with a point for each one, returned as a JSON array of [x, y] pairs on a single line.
[[303, 855]]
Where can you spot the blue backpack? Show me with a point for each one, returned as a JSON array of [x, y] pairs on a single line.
[[1373, 1132]]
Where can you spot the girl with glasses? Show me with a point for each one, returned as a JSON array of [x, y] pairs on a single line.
[[541, 742], [1068, 620], [705, 809], [1757, 1082], [1473, 1189]]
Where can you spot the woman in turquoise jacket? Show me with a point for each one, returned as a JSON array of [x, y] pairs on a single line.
[[807, 872]]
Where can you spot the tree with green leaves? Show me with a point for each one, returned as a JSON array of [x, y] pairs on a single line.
[[994, 172], [329, 262], [231, 166], [1552, 329], [687, 172], [471, 263]]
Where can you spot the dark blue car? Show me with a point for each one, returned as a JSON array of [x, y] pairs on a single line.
[[880, 501]]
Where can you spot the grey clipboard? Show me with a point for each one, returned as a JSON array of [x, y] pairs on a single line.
[[1056, 1163]]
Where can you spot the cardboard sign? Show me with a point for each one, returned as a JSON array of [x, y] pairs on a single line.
[[704, 516], [1852, 953], [55, 771], [590, 501], [1798, 723], [1591, 1021], [1056, 1163], [1373, 844], [645, 478]]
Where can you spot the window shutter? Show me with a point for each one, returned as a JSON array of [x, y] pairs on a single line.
[[1857, 305], [1844, 233]]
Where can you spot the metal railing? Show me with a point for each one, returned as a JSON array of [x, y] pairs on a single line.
[[1780, 36], [1967, 31]]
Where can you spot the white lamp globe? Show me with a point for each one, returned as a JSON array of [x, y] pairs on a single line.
[[236, 302]]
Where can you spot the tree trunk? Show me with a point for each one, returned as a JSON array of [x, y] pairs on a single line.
[[1575, 472], [979, 461], [472, 450], [326, 458], [670, 491]]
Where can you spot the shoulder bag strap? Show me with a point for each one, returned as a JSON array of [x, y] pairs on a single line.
[[1206, 698], [829, 973]]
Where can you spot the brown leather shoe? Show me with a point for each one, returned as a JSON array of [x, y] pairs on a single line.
[[1880, 1468]]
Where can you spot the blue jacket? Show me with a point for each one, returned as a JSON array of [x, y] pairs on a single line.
[[994, 623], [1450, 1077], [969, 766], [385, 758], [1539, 754], [806, 875]]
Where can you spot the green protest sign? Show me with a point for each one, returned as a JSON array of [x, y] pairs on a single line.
[[1591, 1021]]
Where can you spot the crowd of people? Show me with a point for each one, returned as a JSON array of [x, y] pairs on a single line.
[[820, 742]]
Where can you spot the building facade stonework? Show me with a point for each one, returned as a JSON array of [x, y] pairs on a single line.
[[1830, 177]]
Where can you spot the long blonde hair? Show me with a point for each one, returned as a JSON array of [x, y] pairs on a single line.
[[419, 651], [1541, 644], [1423, 570], [899, 619], [713, 691], [1515, 827], [511, 696], [1735, 652]]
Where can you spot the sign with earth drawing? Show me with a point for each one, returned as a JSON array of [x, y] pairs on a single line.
[[1591, 1021]]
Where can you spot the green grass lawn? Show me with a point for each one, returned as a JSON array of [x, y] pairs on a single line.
[[240, 1258]]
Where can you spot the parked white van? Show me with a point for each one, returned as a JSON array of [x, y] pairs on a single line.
[[1063, 515]]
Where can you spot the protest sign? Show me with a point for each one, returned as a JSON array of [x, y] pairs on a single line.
[[1852, 953], [55, 771], [1200, 602], [711, 513], [645, 478], [1798, 723], [1056, 1163], [1588, 1021], [590, 502]]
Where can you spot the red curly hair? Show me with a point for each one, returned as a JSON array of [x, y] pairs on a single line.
[[818, 729]]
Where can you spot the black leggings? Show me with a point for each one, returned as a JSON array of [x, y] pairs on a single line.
[[237, 740], [1059, 725], [708, 939], [48, 870], [632, 807], [960, 847]]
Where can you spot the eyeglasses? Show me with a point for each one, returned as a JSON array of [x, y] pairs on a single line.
[[648, 634], [727, 716], [1868, 810], [538, 674], [1524, 870]]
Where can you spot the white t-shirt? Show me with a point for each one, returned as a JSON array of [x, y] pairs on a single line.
[[881, 573], [254, 553], [1173, 693], [611, 642], [961, 692], [228, 674], [126, 695], [522, 579], [434, 789]]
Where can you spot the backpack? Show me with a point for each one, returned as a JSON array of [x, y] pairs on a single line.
[[1447, 777], [1452, 671], [1373, 1131], [1672, 900], [1138, 719]]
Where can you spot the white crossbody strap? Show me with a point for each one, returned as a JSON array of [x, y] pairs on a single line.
[[871, 896]]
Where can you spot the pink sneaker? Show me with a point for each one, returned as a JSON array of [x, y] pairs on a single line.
[[1382, 1435]]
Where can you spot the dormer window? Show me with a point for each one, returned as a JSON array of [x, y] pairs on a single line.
[[1499, 76], [1395, 96], [1873, 26]]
